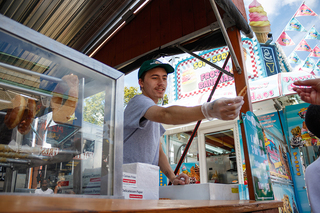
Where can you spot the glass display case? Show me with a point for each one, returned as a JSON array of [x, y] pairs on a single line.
[[61, 117]]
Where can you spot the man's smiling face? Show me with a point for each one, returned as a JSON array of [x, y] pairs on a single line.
[[154, 83]]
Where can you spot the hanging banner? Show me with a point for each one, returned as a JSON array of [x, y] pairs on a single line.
[[294, 25], [275, 145], [318, 64], [303, 46], [285, 193], [285, 40], [294, 58], [194, 77], [270, 59], [315, 52], [312, 34], [258, 158], [287, 80], [308, 63], [304, 10], [264, 89]]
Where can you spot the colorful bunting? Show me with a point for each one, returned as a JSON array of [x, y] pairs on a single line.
[[294, 58], [312, 34], [309, 63], [303, 46], [295, 25], [285, 40], [315, 52], [304, 10], [318, 64]]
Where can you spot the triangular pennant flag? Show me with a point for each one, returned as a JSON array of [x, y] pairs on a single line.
[[285, 40], [304, 10], [315, 52], [303, 46], [309, 63], [294, 58], [318, 64], [312, 34], [294, 25]]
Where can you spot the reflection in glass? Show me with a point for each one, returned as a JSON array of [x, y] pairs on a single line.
[[69, 141]]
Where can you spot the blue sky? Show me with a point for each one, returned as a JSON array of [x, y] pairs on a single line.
[[279, 13]]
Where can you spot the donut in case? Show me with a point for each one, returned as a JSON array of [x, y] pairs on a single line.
[[14, 115], [25, 124], [62, 111]]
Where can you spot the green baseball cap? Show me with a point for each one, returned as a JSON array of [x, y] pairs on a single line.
[[150, 64]]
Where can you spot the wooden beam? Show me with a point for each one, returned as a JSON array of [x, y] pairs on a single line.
[[219, 141], [241, 81]]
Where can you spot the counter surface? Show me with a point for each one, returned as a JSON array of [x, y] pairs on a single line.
[[34, 203]]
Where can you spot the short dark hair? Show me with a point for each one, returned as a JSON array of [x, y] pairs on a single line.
[[142, 78]]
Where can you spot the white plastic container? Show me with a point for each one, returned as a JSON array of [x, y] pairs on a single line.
[[205, 191], [146, 186]]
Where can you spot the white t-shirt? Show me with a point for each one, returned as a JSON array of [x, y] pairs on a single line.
[[47, 192]]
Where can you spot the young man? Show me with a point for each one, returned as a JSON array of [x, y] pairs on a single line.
[[143, 118]]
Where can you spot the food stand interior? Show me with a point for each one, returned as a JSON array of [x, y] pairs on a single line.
[[156, 28]]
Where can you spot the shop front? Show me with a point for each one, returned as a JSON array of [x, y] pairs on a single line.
[[62, 149], [216, 154]]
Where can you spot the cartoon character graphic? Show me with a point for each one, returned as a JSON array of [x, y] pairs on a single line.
[[306, 11], [294, 205], [296, 140], [305, 134], [313, 35], [286, 205], [285, 41], [294, 25]]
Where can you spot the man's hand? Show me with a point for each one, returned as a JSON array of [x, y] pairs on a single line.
[[223, 108], [310, 95], [181, 179]]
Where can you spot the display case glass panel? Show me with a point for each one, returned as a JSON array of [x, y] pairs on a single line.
[[60, 123]]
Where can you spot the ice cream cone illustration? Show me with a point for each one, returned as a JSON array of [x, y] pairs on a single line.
[[259, 21]]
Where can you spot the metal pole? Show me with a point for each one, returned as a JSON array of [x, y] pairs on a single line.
[[226, 37], [28, 72]]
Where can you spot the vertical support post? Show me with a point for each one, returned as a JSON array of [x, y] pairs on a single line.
[[241, 81], [78, 140]]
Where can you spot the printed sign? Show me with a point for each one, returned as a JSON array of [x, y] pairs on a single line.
[[264, 89], [129, 179], [258, 157], [191, 169], [270, 59], [274, 143], [132, 193], [298, 138], [49, 151], [285, 193], [194, 76], [287, 80]]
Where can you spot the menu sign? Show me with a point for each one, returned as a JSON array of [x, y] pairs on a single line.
[[258, 158], [195, 77]]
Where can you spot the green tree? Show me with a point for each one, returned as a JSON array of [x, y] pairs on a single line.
[[94, 109], [94, 105], [130, 93]]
